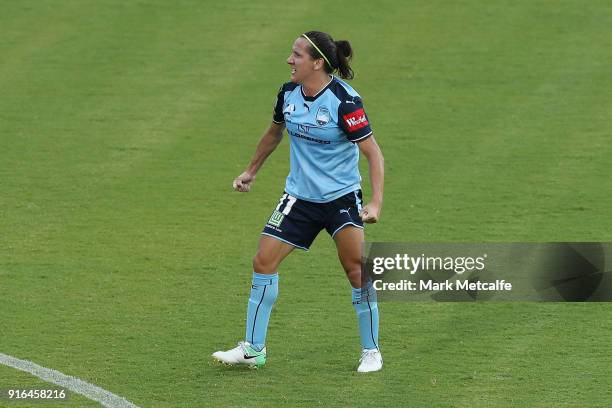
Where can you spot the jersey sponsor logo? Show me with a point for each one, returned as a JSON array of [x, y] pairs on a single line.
[[355, 120], [304, 128], [288, 109], [323, 117], [276, 219], [310, 139]]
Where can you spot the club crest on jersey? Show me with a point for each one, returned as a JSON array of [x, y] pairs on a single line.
[[323, 117], [288, 109], [355, 120]]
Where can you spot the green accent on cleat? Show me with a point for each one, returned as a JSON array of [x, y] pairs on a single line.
[[254, 358]]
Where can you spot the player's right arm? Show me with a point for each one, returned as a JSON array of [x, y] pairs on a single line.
[[267, 144]]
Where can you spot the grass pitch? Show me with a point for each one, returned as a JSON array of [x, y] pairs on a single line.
[[125, 256]]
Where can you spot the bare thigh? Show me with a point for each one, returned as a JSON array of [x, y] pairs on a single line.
[[349, 242], [270, 254]]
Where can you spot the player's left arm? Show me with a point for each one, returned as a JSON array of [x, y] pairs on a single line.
[[370, 213], [355, 124]]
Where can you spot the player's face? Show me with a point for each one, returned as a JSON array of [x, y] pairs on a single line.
[[302, 64]]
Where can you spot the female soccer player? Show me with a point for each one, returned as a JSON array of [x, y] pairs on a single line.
[[328, 127]]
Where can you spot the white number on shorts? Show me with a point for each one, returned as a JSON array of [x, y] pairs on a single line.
[[292, 200], [290, 203]]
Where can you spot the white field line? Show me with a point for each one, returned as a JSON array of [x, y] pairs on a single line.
[[90, 391]]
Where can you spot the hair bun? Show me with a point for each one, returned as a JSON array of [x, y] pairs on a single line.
[[344, 48]]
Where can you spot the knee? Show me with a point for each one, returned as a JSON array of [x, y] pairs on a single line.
[[353, 273], [264, 263], [354, 276]]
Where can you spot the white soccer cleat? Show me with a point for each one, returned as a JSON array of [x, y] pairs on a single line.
[[371, 360], [244, 353]]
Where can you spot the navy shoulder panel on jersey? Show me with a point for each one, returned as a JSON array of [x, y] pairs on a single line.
[[351, 114], [342, 90], [277, 114]]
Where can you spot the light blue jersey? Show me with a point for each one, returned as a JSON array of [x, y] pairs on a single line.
[[323, 130]]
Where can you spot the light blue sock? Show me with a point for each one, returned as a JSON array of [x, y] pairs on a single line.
[[366, 307], [264, 291]]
